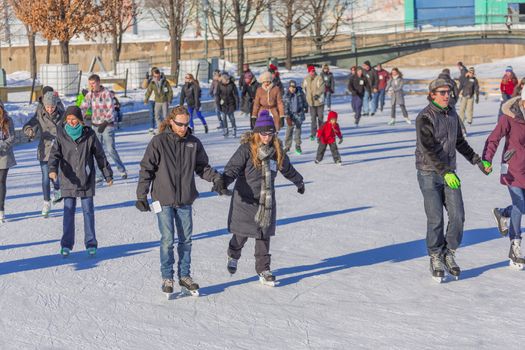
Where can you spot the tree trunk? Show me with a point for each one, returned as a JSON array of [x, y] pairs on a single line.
[[240, 49], [48, 52], [32, 51], [173, 43], [288, 41], [64, 51], [222, 46], [114, 52]]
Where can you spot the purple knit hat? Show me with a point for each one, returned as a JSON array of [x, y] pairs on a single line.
[[264, 122]]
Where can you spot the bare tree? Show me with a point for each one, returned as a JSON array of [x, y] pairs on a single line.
[[23, 12], [6, 19], [221, 25], [327, 17], [173, 15], [292, 17], [244, 13], [118, 16]]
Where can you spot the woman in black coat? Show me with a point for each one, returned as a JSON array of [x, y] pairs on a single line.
[[227, 98], [252, 213], [74, 153]]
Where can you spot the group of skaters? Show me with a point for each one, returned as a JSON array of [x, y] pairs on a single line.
[[72, 158]]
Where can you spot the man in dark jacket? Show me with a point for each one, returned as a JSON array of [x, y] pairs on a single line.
[[227, 98], [248, 92], [358, 87], [329, 85], [469, 92], [439, 135], [295, 106], [168, 166], [454, 91], [462, 72], [74, 153], [370, 97]]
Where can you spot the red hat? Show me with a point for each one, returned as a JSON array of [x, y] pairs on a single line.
[[273, 67], [311, 69], [332, 115]]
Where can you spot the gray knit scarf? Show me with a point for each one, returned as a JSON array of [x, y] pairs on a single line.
[[264, 213]]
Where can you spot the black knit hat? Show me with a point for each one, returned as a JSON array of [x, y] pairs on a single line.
[[74, 110]]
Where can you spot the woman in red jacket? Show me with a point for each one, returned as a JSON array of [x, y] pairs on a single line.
[[511, 126], [508, 83], [326, 135]]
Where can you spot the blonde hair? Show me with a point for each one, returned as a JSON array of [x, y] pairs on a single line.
[[179, 110], [256, 142]]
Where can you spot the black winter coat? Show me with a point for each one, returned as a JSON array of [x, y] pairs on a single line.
[[191, 94], [246, 192], [438, 136], [168, 167], [76, 161], [248, 95], [372, 78], [227, 97], [357, 86]]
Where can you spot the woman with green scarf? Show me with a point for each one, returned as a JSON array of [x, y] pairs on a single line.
[[74, 153], [254, 167]]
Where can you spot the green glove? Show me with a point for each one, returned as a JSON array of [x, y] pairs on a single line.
[[452, 181], [486, 167]]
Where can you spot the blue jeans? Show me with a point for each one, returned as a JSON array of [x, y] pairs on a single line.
[[436, 196], [219, 117], [184, 225], [107, 139], [328, 99], [515, 211], [199, 115], [357, 104], [46, 181], [370, 105], [381, 99], [152, 114], [68, 237]]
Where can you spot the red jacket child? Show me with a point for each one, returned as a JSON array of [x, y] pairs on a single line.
[[329, 130]]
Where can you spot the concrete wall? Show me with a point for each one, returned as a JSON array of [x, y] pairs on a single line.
[[471, 54]]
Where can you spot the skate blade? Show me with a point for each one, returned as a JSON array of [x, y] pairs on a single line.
[[193, 293], [438, 279], [170, 296], [516, 266], [267, 283]]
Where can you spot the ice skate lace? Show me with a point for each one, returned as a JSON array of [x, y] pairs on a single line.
[[516, 249], [437, 263], [266, 273], [167, 282], [449, 257]]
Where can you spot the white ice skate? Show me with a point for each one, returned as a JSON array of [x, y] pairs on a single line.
[[516, 261], [267, 278]]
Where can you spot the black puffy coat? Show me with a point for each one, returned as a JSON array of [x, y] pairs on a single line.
[[227, 96], [246, 192], [76, 161], [248, 95]]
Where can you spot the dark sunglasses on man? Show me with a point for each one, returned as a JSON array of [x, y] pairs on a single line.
[[182, 125], [443, 92]]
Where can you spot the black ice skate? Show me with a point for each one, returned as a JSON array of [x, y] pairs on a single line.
[[516, 261], [436, 268], [450, 264], [501, 221], [232, 265], [188, 287]]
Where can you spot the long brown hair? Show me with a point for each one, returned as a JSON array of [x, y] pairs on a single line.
[[174, 112], [4, 122], [256, 142], [398, 72], [192, 79]]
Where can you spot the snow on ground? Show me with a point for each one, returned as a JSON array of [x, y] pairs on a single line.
[[349, 254]]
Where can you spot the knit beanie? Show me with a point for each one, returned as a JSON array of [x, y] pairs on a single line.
[[264, 123], [508, 69], [311, 69], [74, 110], [436, 84], [49, 99], [332, 115]]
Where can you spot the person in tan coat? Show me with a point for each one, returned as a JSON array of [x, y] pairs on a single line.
[[314, 88], [268, 96]]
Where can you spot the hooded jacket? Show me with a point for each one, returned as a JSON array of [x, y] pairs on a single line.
[[438, 136], [47, 125], [227, 95], [271, 100], [162, 90], [191, 94], [168, 168], [511, 126], [246, 192], [329, 131], [297, 100], [76, 161]]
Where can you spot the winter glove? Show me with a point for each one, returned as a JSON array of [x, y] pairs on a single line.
[[30, 133], [218, 186], [109, 181], [53, 176], [300, 188], [452, 181], [340, 141], [102, 127], [485, 167], [142, 205]]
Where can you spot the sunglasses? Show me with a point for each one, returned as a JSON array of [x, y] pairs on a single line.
[[267, 133], [182, 125], [443, 92]]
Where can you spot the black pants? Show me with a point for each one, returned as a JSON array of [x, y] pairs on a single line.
[[316, 113], [3, 179], [333, 148], [262, 251]]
